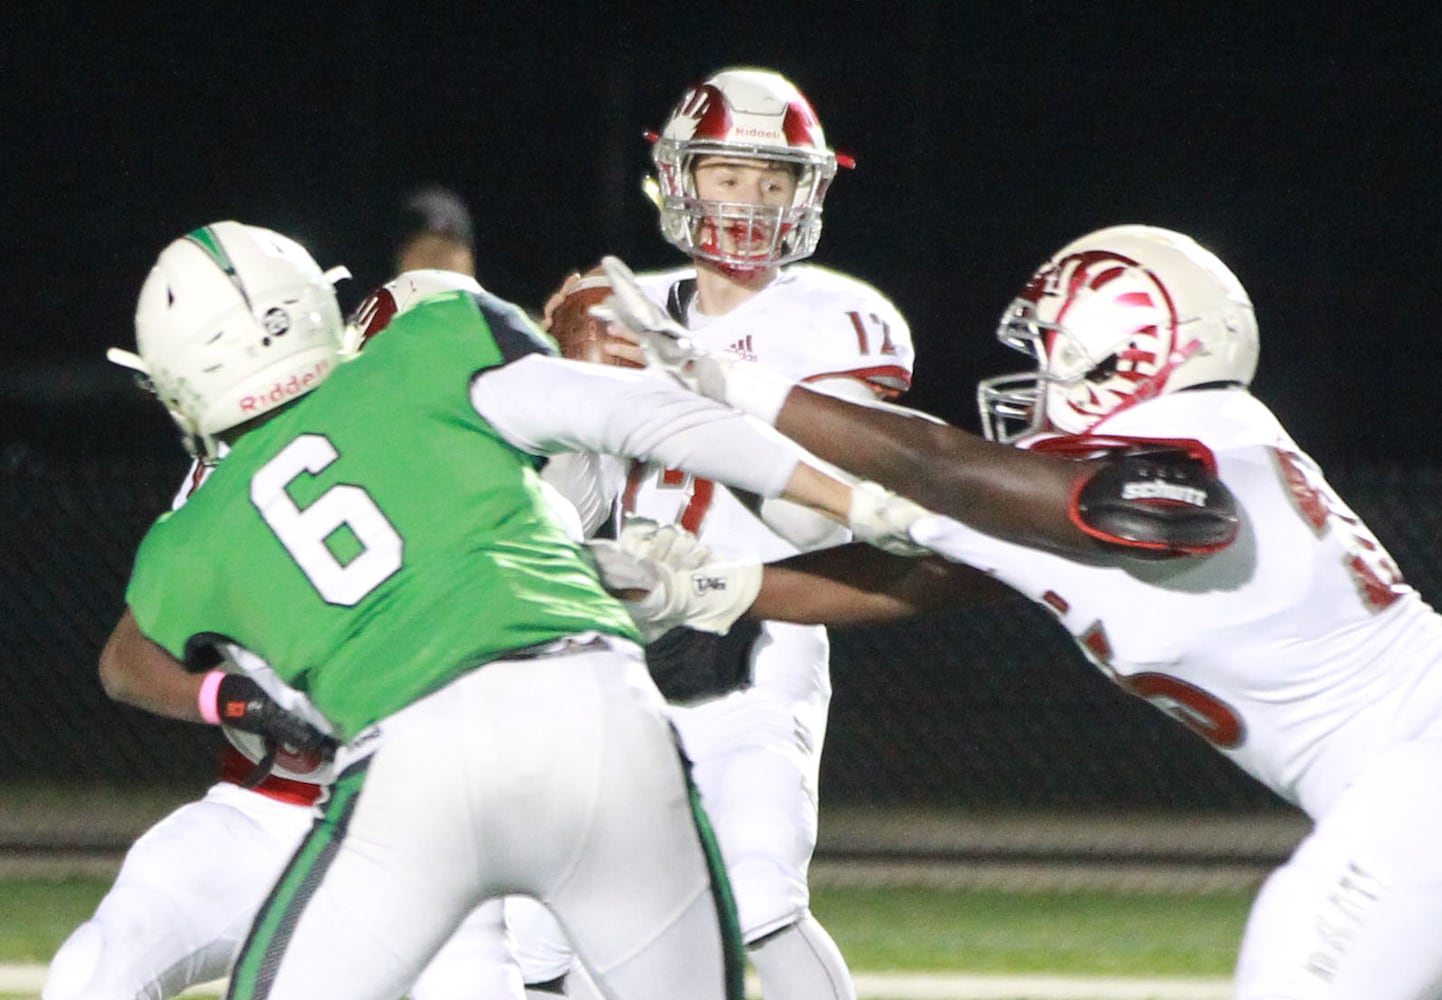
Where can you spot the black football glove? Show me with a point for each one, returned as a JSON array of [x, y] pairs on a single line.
[[242, 703]]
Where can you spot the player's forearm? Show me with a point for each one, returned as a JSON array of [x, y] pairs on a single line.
[[900, 450], [1004, 491], [818, 491], [845, 585], [135, 671], [792, 595], [937, 465], [856, 585]]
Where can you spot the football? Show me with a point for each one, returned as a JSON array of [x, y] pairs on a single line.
[[578, 333], [311, 767]]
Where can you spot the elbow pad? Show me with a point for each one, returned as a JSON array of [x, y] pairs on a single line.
[[1166, 501]]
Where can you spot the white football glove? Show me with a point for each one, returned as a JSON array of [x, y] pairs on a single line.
[[683, 585], [667, 344], [881, 518], [665, 543]]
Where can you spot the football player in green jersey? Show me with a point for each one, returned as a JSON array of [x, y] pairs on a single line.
[[499, 731]]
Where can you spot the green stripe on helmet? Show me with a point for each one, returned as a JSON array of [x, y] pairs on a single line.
[[206, 238]]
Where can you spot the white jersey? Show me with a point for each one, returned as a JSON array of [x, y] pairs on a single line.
[[1298, 651], [814, 325], [810, 323]]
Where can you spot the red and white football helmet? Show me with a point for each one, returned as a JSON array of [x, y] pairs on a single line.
[[758, 115], [397, 296], [1116, 318]]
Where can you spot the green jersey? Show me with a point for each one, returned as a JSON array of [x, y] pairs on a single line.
[[378, 537]]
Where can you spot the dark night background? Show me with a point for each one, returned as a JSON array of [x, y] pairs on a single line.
[[1298, 141]]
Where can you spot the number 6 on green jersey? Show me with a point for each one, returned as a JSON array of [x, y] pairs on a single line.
[[304, 531]]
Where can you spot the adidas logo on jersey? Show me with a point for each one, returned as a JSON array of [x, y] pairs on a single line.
[[743, 348]]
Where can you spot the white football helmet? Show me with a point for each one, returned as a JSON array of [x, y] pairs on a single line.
[[233, 321], [1113, 319], [757, 115], [396, 296]]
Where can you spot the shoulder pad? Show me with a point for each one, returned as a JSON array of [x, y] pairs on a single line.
[[1159, 498]]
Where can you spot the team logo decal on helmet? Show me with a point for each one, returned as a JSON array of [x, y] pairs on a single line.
[[1114, 319], [790, 124], [1086, 383]]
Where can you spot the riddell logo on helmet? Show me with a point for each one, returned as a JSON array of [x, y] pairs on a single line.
[[756, 133], [281, 392]]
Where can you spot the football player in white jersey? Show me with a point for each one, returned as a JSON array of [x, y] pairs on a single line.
[[189, 887], [1199, 559], [742, 168]]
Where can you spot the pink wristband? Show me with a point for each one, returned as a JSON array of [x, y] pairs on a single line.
[[207, 697]]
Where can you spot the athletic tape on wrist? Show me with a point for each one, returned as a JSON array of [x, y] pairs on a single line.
[[207, 698]]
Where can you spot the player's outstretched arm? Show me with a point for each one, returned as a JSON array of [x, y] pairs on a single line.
[[1085, 496], [546, 405], [1138, 497], [998, 489]]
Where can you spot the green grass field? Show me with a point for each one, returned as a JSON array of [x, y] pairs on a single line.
[[1073, 933], [892, 929]]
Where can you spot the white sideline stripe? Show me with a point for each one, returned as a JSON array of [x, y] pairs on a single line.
[[953, 986], [15, 978]]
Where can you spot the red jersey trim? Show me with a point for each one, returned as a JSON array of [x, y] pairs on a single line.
[[235, 768], [886, 380], [1096, 445]]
